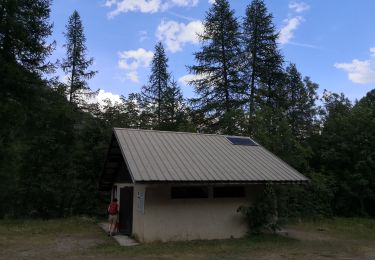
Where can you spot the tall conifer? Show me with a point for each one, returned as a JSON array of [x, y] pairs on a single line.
[[261, 59], [217, 84], [172, 104], [76, 65], [301, 103], [153, 92], [162, 97]]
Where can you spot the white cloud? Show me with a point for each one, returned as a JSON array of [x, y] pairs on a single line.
[[142, 36], [287, 31], [110, 3], [180, 3], [188, 18], [184, 80], [305, 45], [145, 6], [132, 60], [211, 1], [103, 95], [124, 6], [291, 24], [175, 34], [372, 50], [299, 7], [360, 71]]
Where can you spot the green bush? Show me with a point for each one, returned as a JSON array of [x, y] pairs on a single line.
[[263, 214]]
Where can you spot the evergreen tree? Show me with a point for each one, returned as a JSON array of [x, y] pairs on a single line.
[[152, 93], [121, 114], [172, 106], [161, 98], [362, 179], [334, 148], [76, 65], [346, 152], [132, 110], [261, 59], [217, 84], [24, 28], [301, 109]]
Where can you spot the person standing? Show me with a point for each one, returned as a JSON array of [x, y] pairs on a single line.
[[112, 216]]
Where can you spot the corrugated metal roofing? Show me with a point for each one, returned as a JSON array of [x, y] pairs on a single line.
[[175, 156]]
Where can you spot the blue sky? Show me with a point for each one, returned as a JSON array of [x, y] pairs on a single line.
[[332, 41]]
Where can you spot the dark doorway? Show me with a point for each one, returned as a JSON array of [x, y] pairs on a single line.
[[126, 210]]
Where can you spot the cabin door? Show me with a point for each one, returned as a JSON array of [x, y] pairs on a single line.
[[126, 210]]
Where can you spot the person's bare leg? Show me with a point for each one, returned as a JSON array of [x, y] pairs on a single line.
[[110, 227]]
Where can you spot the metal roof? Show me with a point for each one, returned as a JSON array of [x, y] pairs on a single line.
[[160, 156]]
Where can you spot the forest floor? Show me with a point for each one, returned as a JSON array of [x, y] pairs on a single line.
[[81, 238]]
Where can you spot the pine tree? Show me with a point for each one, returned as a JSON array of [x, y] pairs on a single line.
[[261, 59], [132, 110], [24, 28], [153, 93], [301, 108], [172, 105], [76, 65], [217, 84]]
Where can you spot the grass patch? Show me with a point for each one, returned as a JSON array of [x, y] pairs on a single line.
[[342, 228], [38, 226], [200, 249], [81, 238]]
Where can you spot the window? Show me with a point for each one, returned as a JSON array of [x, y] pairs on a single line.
[[189, 192], [229, 192], [241, 141]]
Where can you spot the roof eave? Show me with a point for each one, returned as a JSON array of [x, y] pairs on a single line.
[[300, 182]]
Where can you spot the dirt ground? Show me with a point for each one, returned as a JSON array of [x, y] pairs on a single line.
[[81, 238]]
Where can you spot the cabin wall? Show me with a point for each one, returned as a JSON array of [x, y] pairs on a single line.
[[167, 219], [161, 218], [138, 213]]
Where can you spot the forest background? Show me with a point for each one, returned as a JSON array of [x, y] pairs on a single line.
[[53, 138]]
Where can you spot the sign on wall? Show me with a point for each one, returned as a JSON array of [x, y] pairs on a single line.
[[141, 202]]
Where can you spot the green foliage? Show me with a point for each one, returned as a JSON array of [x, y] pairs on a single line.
[[76, 65], [301, 108], [313, 200], [24, 28], [218, 83], [48, 155], [161, 99], [277, 204], [345, 150], [261, 60], [51, 153], [263, 213], [152, 94]]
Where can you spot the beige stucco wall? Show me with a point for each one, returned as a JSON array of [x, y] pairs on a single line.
[[166, 219], [138, 216]]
